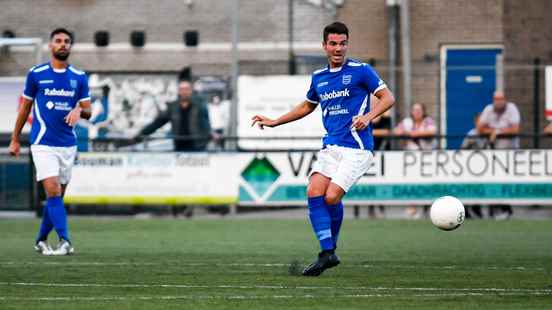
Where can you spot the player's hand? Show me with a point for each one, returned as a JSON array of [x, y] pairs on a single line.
[[262, 121], [14, 148], [360, 122], [73, 116]]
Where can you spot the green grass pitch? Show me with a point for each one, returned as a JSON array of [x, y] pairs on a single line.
[[251, 264]]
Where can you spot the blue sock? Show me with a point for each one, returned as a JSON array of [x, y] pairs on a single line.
[[45, 227], [336, 215], [57, 214], [321, 222]]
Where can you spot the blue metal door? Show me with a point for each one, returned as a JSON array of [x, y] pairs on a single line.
[[471, 79]]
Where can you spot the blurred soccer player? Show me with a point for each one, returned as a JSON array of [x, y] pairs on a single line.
[[60, 96], [342, 89]]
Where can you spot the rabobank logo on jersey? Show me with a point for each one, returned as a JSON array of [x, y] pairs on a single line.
[[59, 92], [335, 94]]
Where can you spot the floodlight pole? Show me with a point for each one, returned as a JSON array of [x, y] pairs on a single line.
[[292, 67], [393, 13], [406, 57], [235, 68]]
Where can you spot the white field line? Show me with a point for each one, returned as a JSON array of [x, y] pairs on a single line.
[[247, 297], [284, 287], [192, 264]]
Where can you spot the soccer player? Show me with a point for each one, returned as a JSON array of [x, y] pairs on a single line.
[[342, 89], [59, 96]]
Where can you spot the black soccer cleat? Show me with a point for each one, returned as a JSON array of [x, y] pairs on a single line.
[[325, 260]]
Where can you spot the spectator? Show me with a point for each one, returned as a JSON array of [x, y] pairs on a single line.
[[219, 114], [189, 118], [473, 141], [548, 129], [420, 130], [381, 128], [500, 121]]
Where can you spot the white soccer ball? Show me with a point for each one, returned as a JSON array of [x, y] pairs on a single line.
[[447, 213]]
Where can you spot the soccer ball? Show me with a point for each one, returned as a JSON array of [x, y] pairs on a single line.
[[447, 213]]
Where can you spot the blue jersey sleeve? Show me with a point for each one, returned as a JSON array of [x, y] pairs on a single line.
[[84, 91], [312, 95], [371, 80], [30, 86]]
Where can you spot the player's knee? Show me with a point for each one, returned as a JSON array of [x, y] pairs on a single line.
[[53, 192], [332, 198], [52, 188], [314, 191]]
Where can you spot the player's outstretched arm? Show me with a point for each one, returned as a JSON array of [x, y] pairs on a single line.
[[22, 117], [300, 111], [385, 102]]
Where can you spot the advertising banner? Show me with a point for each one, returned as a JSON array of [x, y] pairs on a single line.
[[154, 178], [11, 89], [273, 96], [264, 179], [410, 177]]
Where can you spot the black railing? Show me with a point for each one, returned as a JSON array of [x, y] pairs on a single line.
[[232, 143]]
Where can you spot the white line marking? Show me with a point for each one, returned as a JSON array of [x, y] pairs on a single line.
[[275, 287], [245, 297], [193, 264]]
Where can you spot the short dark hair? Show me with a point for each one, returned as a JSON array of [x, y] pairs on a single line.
[[336, 28], [62, 30]]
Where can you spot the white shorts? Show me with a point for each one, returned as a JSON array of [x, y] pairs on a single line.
[[343, 165], [51, 161]]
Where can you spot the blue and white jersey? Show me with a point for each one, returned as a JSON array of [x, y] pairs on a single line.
[[343, 93], [55, 93]]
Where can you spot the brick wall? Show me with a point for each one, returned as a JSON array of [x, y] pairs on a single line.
[[163, 22], [522, 26], [528, 33]]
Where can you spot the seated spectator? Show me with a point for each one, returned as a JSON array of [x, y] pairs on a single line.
[[420, 130], [473, 140], [548, 129], [500, 121]]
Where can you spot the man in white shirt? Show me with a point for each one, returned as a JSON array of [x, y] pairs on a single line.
[[500, 120]]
